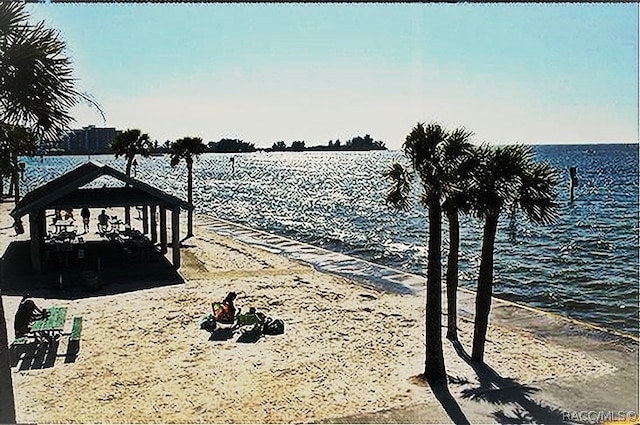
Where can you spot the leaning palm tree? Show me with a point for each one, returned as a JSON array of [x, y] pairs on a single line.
[[459, 161], [128, 144], [187, 148], [507, 180], [422, 147]]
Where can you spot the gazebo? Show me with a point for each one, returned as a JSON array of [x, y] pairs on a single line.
[[68, 191]]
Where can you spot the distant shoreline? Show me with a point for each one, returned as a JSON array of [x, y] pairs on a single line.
[[161, 152]]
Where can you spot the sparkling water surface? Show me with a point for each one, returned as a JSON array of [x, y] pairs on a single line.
[[584, 266]]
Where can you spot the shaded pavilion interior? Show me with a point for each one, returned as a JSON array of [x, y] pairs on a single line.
[[91, 186]]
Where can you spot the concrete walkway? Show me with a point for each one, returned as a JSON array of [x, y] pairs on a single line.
[[321, 259], [582, 399]]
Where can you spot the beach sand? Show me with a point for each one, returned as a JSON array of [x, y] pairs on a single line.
[[348, 349]]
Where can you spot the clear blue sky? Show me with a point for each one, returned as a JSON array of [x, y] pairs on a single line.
[[554, 73]]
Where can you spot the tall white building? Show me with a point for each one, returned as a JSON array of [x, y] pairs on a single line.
[[90, 139]]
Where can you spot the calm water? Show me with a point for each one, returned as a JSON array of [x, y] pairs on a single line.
[[584, 266]]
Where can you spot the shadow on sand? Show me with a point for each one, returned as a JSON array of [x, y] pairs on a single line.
[[112, 272], [519, 406], [40, 354], [225, 334]]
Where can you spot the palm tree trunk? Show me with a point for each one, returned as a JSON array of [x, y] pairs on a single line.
[[16, 185], [190, 199], [452, 274], [434, 363], [7, 403], [16, 177], [485, 288]]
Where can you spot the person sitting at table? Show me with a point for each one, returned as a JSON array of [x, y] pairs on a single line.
[[68, 214], [57, 216], [103, 221], [27, 312]]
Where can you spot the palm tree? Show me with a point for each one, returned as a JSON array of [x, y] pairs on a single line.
[[507, 180], [129, 144], [459, 161], [187, 148], [37, 89], [422, 147], [14, 141]]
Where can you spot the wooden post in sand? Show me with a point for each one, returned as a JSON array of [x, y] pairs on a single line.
[[35, 228], [154, 224], [175, 236], [7, 402], [145, 219], [163, 229]]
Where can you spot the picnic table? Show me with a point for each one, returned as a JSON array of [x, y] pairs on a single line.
[[50, 327], [115, 223], [63, 225]]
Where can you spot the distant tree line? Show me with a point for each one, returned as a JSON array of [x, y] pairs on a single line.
[[357, 143], [225, 145], [230, 146], [280, 146], [221, 146]]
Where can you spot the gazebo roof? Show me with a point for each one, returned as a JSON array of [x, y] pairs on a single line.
[[65, 192]]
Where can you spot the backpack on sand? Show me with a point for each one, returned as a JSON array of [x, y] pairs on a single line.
[[274, 327]]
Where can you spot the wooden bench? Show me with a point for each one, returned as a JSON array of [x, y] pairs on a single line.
[[74, 337]]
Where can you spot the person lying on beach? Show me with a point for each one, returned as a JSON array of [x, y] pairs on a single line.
[[27, 313], [225, 311]]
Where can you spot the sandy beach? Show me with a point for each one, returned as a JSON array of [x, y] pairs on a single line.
[[348, 350]]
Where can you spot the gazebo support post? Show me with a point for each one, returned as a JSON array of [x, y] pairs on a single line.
[[175, 236], [145, 220], [163, 229], [35, 232], [154, 224]]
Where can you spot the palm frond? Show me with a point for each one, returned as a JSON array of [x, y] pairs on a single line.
[[537, 193], [186, 148], [12, 15], [130, 143], [458, 160], [36, 85], [421, 147], [398, 195]]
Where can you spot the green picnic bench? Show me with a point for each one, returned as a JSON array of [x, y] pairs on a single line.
[[20, 341], [74, 337]]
